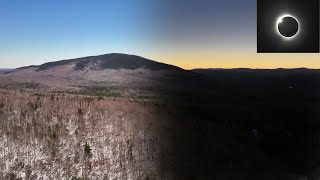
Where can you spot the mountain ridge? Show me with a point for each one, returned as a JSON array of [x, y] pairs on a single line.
[[114, 61], [115, 74]]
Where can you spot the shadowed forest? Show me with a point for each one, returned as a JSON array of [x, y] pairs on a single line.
[[207, 124]]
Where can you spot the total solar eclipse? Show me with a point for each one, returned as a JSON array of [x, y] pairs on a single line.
[[288, 26]]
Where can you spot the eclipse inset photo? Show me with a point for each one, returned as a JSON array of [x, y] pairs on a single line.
[[288, 26]]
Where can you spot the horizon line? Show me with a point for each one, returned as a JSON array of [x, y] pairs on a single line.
[[185, 67]]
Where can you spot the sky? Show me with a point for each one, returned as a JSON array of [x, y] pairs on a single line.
[[186, 33]]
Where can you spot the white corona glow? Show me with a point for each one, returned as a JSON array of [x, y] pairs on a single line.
[[279, 20]]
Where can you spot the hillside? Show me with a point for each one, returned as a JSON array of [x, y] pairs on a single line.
[[117, 75], [113, 61], [3, 70]]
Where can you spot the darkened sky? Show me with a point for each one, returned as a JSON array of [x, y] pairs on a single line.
[[206, 23], [186, 33]]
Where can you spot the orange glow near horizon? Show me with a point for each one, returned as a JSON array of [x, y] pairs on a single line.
[[241, 60], [192, 60]]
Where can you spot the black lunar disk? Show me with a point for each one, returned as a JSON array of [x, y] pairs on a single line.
[[288, 27]]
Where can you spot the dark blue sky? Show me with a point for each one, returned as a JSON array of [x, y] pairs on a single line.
[[213, 31]]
